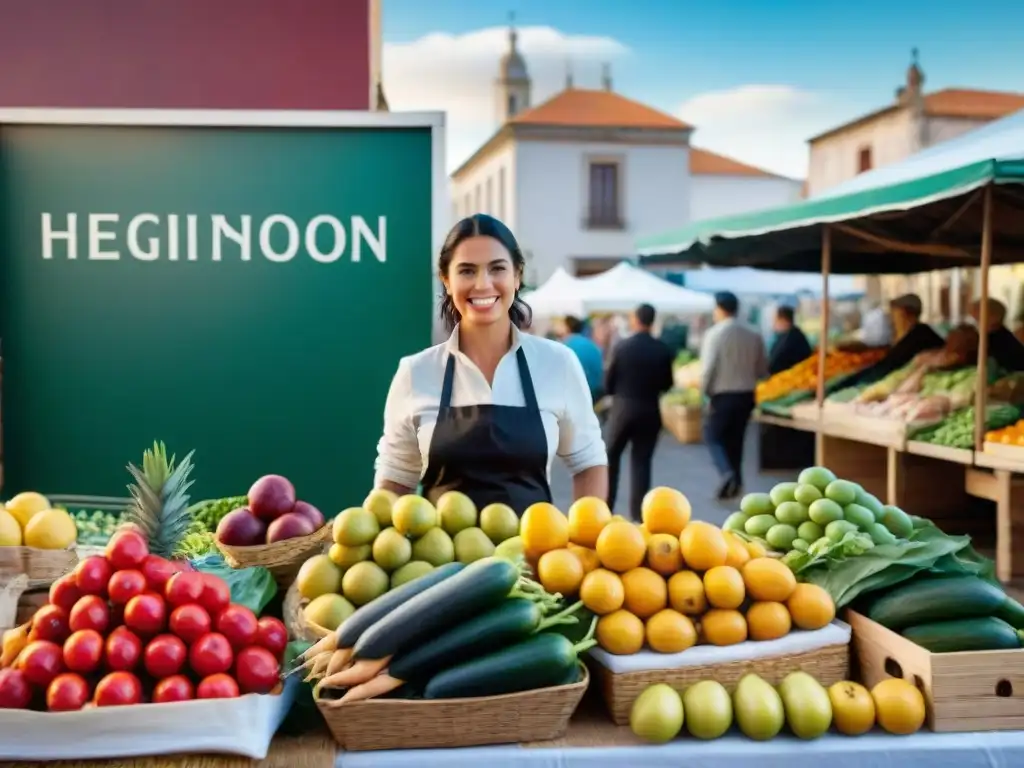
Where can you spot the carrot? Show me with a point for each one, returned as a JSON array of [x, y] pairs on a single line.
[[376, 686], [362, 671]]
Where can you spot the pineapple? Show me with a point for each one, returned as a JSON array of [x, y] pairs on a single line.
[[160, 508]]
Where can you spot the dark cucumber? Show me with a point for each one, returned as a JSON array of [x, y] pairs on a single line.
[[353, 627], [980, 634], [930, 600], [478, 587], [541, 661], [514, 620]]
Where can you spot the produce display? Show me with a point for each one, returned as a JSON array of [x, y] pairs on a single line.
[[760, 711], [687, 396], [390, 540], [818, 517], [1010, 434], [130, 627], [957, 430], [804, 376], [481, 629], [96, 526], [30, 520], [272, 514]]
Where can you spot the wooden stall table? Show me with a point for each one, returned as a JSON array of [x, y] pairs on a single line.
[[784, 444], [998, 478]]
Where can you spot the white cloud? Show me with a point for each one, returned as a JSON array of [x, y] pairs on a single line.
[[764, 125], [456, 73]]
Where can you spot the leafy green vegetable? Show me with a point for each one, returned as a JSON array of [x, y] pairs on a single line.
[[210, 512], [928, 550], [251, 587]]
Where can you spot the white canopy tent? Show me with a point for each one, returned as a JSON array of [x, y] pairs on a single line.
[[560, 296]]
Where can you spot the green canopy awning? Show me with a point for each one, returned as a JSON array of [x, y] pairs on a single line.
[[921, 214]]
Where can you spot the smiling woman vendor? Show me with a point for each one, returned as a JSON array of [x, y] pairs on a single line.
[[485, 412]]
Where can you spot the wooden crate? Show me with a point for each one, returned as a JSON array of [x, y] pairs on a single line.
[[684, 422], [969, 691]]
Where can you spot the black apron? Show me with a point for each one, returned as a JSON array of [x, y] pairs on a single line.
[[491, 453]]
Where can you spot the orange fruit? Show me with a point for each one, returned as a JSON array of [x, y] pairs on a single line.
[[736, 551], [665, 510], [587, 517], [853, 709], [703, 546], [560, 571], [720, 626], [602, 592], [587, 556], [768, 579], [668, 631], [646, 592], [663, 554], [768, 621], [899, 706], [686, 593], [811, 606], [621, 547], [542, 529], [620, 633], [723, 587]]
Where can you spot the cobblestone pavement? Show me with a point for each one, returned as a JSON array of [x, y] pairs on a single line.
[[686, 467]]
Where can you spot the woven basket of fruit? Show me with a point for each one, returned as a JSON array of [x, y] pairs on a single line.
[[36, 539], [299, 627], [275, 531]]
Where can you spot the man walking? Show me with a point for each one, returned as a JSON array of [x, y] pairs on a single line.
[[588, 353], [732, 360], [639, 372]]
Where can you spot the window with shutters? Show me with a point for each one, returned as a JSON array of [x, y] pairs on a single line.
[[604, 207], [864, 160]]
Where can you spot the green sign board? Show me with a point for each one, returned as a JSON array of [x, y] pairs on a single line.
[[242, 291]]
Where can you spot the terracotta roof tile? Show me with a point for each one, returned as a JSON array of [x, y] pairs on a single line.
[[581, 108], [704, 162], [966, 103]]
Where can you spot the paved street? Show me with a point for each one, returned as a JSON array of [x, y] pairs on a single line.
[[686, 467]]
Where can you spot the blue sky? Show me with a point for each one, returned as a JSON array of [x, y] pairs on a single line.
[[800, 66]]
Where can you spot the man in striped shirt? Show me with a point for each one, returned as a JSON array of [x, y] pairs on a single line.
[[733, 359]]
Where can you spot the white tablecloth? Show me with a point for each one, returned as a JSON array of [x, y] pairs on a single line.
[[875, 750]]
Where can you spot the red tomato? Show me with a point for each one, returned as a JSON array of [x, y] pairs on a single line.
[[124, 585], [118, 689], [67, 693], [15, 690], [90, 612], [176, 688], [146, 614], [83, 651], [257, 670], [64, 592], [126, 549], [219, 686], [190, 622], [216, 594], [157, 572], [51, 623], [41, 661], [210, 655], [272, 635], [123, 650], [238, 624], [165, 656], [185, 588], [92, 575]]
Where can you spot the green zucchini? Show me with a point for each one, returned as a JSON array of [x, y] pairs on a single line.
[[958, 597], [541, 661], [514, 620], [478, 587], [353, 627], [986, 633]]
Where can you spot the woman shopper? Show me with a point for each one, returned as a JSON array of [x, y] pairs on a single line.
[[486, 411]]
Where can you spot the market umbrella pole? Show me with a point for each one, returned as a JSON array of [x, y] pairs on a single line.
[[826, 268], [981, 387]]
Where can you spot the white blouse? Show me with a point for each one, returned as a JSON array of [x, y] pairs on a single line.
[[566, 407]]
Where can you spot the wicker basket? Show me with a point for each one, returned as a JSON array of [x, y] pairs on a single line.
[[298, 627], [827, 665], [512, 718], [283, 558], [684, 422], [41, 566]]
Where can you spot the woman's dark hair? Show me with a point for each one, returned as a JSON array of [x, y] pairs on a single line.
[[482, 225]]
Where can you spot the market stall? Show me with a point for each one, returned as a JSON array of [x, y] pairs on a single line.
[[955, 204]]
